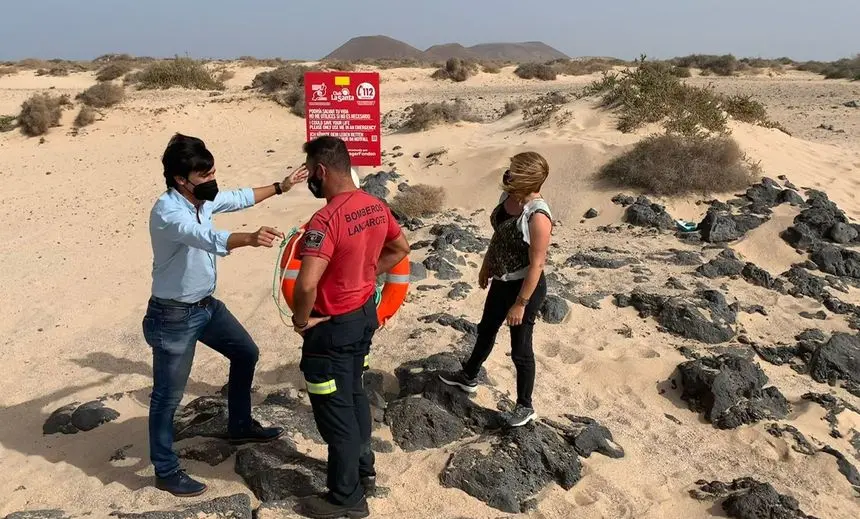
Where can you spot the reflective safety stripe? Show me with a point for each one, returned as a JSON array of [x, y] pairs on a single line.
[[321, 388], [289, 274], [367, 360], [397, 278]]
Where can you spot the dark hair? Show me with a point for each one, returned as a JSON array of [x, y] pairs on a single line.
[[183, 156], [329, 151]]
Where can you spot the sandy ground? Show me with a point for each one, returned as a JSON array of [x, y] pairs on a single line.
[[75, 264]]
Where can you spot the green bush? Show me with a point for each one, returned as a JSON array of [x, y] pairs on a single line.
[[725, 65], [455, 69], [671, 165], [8, 123]]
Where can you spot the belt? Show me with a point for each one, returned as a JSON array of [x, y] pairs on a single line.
[[203, 303]]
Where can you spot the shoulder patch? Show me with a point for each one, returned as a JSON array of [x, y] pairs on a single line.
[[313, 239]]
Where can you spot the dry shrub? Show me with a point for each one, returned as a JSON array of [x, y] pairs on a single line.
[[225, 75], [8, 123], [422, 116], [102, 95], [419, 201], [177, 72], [7, 71], [251, 61], [113, 71], [583, 67], [539, 111], [511, 107], [284, 85], [281, 78], [339, 65], [85, 117], [41, 112], [456, 69], [681, 72], [491, 67], [53, 72], [725, 65], [652, 93], [670, 165], [846, 68], [540, 71]]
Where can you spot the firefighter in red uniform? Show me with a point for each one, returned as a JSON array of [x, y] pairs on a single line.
[[346, 245]]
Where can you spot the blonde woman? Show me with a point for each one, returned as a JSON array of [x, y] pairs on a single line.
[[514, 262]]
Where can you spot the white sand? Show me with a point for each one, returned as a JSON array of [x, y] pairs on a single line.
[[75, 263]]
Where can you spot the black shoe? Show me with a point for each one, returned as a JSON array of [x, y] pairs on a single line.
[[369, 485], [318, 507], [461, 380], [256, 433], [180, 484], [521, 415]]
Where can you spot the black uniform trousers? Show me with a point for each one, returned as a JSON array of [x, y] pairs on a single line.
[[334, 357]]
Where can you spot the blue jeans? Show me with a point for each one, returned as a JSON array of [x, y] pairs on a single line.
[[172, 330]]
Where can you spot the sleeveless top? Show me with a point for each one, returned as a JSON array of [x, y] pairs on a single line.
[[508, 253]]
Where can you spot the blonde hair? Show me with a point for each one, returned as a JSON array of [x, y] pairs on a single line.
[[529, 171]]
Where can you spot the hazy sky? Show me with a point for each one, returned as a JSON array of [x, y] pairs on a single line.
[[801, 29]]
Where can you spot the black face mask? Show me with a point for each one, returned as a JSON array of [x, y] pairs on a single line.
[[315, 186], [205, 190]]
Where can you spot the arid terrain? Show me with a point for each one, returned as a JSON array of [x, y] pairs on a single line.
[[75, 264]]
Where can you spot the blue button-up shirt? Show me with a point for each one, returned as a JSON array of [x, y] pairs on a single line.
[[184, 243]]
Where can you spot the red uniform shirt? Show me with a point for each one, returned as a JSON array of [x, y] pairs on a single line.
[[349, 232]]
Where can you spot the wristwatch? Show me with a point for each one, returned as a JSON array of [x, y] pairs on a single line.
[[278, 189], [299, 326], [523, 301]]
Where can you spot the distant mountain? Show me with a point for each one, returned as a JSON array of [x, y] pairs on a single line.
[[383, 47], [448, 51], [518, 52], [375, 47]]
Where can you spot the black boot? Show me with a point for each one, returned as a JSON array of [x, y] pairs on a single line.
[[180, 484], [318, 507], [256, 433], [369, 484]]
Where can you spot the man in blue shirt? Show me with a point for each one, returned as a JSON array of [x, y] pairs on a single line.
[[182, 310]]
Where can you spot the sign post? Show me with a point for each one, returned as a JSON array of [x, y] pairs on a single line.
[[346, 105]]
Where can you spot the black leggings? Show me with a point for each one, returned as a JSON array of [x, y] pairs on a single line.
[[503, 295]]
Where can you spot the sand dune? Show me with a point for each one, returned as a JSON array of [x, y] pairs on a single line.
[[75, 267]]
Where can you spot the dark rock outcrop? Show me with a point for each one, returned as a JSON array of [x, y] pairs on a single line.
[[837, 359], [38, 514], [375, 183], [237, 506], [801, 444], [463, 240], [417, 424], [554, 309], [730, 390], [683, 316], [587, 436], [746, 498], [846, 468], [644, 213], [213, 452], [459, 291], [73, 418], [591, 213], [519, 464], [725, 264], [417, 272], [721, 227], [207, 417], [837, 260], [277, 471], [609, 261]]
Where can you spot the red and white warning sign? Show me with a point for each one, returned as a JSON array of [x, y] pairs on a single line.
[[346, 105]]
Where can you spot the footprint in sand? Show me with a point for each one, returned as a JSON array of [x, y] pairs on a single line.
[[568, 355]]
